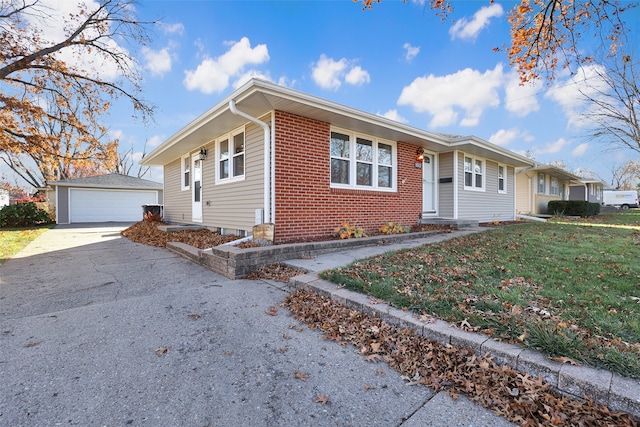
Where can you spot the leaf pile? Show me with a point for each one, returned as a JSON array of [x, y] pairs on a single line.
[[147, 233], [516, 396], [278, 272]]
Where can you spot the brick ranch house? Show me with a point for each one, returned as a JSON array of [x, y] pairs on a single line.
[[270, 154]]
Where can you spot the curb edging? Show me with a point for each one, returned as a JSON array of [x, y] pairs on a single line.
[[617, 392]]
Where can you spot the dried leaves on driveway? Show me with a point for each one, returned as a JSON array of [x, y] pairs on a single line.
[[147, 233], [518, 397]]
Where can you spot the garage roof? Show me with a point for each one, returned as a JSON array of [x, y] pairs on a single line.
[[110, 180]]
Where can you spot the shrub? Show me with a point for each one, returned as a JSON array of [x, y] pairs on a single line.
[[574, 207], [23, 215], [391, 227], [347, 231]]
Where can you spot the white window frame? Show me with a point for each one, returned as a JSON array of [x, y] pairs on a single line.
[[353, 162], [503, 178], [474, 174], [185, 161], [230, 158], [544, 183], [557, 191]]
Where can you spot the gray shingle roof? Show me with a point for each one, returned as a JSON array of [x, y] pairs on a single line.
[[111, 180]]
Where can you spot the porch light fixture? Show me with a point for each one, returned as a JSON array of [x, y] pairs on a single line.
[[420, 154], [203, 154]]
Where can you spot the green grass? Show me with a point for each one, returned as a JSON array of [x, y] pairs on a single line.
[[569, 288], [13, 240]]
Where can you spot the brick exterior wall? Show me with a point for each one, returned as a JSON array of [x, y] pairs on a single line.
[[306, 206]]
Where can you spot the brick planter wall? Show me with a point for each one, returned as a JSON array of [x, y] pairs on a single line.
[[306, 206]]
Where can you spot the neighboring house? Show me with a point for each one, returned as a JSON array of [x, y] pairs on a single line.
[[270, 154], [536, 186], [104, 198], [4, 198], [589, 190]]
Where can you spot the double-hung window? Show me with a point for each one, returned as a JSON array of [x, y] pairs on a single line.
[[502, 179], [361, 161], [230, 157], [554, 187], [185, 172], [473, 173], [542, 183]]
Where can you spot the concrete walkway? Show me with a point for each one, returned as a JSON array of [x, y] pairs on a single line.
[[97, 330]]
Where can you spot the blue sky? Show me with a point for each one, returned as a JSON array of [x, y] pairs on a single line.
[[398, 60]]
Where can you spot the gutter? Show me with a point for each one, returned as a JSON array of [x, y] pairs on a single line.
[[267, 157]]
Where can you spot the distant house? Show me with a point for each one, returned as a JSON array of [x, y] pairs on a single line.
[[4, 198], [538, 185], [270, 154], [104, 198], [589, 190]]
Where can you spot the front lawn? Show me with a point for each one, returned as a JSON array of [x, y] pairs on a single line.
[[568, 288], [13, 240]]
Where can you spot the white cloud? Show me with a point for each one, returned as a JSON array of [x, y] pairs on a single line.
[[580, 149], [155, 140], [504, 137], [158, 62], [469, 29], [441, 96], [329, 73], [357, 76], [551, 148], [412, 51], [393, 115], [569, 93], [213, 74], [176, 28], [521, 100]]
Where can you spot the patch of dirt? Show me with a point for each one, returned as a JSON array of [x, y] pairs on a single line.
[[147, 233], [458, 370]]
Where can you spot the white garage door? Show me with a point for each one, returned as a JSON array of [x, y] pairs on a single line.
[[108, 205]]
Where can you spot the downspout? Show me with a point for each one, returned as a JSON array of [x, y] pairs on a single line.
[[267, 157]]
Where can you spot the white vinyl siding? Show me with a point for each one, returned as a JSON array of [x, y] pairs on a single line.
[[233, 206], [177, 203], [489, 205], [445, 190]]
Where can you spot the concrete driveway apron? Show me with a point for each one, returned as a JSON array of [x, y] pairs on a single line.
[[98, 330]]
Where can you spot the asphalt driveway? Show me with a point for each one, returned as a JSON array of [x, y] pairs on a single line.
[[98, 330]]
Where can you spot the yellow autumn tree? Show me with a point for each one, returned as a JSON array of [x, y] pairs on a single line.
[[55, 88], [546, 34]]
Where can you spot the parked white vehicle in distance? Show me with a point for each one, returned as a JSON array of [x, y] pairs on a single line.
[[620, 198]]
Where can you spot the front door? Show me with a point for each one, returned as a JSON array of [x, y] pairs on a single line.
[[196, 204], [428, 184]]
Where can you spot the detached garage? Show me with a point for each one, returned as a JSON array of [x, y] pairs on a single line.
[[104, 198]]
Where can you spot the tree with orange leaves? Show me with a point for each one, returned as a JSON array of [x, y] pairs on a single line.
[[52, 96], [545, 34]]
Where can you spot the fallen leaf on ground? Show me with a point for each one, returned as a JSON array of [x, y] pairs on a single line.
[[194, 316], [321, 398], [272, 311], [162, 350], [32, 344], [565, 360], [302, 376]]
